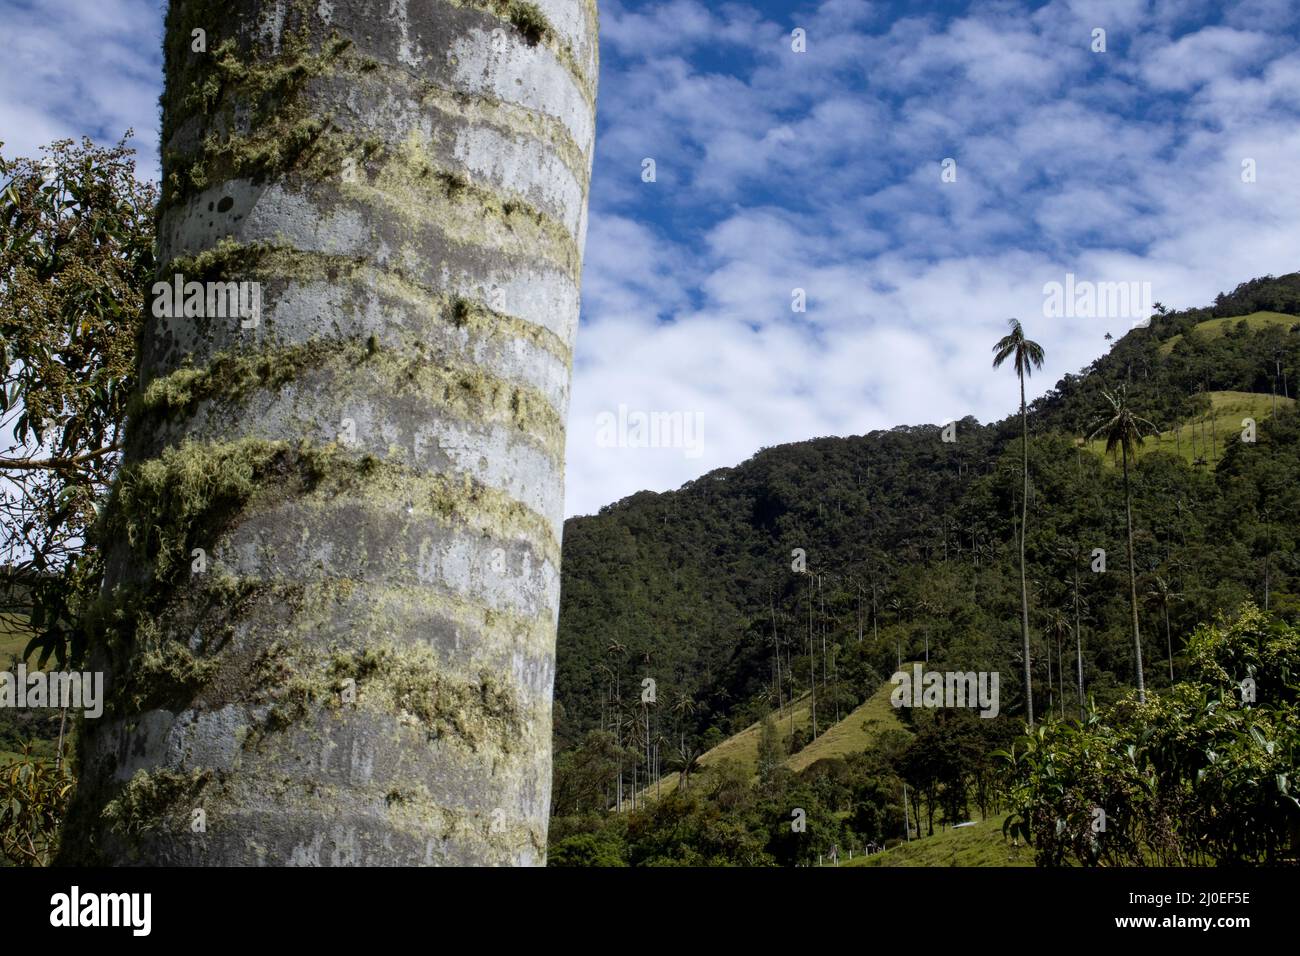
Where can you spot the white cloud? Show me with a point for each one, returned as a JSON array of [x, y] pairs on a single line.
[[820, 171], [73, 68]]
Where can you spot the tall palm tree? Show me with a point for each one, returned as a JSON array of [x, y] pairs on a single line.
[[896, 605], [1058, 627], [683, 707], [812, 657], [1160, 595], [926, 608], [1025, 355], [1123, 429], [1074, 554], [776, 647], [631, 724], [617, 650], [370, 454]]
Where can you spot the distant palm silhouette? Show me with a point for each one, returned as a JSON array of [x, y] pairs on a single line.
[[1026, 356]]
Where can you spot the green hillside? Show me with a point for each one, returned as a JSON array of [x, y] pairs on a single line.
[[693, 579], [742, 748], [840, 555], [855, 733], [1214, 328], [14, 635], [1203, 440], [15, 727]]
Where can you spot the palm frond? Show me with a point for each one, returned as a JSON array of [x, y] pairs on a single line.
[[1009, 344], [1033, 355]]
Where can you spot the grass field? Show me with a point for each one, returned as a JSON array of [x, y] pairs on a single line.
[[980, 845], [854, 733], [1205, 438], [1213, 328], [743, 747], [14, 636]]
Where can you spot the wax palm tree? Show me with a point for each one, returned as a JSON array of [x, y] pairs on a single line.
[[1025, 356], [896, 605], [617, 650], [608, 698], [1159, 596], [1058, 627], [1074, 554], [776, 646], [371, 456], [683, 707], [632, 732], [925, 607], [1124, 430], [687, 760]]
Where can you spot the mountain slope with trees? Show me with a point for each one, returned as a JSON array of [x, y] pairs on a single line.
[[911, 548]]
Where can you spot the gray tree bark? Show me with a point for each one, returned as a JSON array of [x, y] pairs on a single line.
[[333, 554]]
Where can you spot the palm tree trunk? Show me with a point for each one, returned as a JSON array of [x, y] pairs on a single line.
[[821, 622], [835, 683], [776, 647], [875, 623], [1132, 580], [1051, 684], [1267, 572], [1024, 517], [812, 660], [1078, 641], [1169, 641], [1060, 670], [859, 613], [371, 455]]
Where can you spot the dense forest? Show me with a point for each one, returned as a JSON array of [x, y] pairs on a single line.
[[814, 569]]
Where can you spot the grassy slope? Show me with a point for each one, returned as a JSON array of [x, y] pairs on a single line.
[[1223, 422], [1213, 328], [743, 747], [980, 845], [14, 636], [854, 733]]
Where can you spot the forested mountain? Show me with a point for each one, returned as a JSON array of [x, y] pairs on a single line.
[[911, 545]]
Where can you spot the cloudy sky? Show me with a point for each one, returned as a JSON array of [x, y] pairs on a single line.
[[777, 170]]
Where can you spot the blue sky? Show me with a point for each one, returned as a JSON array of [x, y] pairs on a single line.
[[821, 171]]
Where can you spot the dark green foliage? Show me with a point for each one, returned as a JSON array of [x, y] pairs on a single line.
[[1199, 775], [76, 256]]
